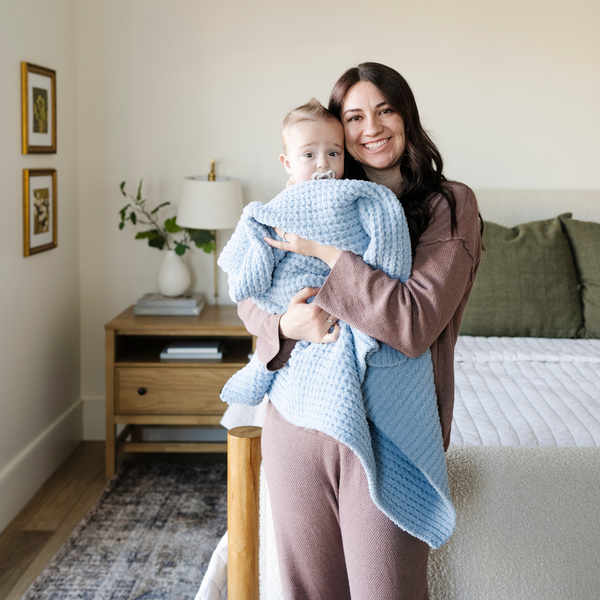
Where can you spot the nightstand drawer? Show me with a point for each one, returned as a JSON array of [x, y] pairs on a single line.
[[170, 391]]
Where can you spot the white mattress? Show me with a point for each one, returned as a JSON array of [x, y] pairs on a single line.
[[527, 392]]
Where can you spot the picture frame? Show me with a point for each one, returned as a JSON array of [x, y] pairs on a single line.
[[40, 219], [38, 114]]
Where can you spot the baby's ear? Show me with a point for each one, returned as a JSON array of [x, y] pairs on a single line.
[[286, 163]]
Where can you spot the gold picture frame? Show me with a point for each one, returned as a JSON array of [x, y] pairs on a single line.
[[38, 109], [39, 211]]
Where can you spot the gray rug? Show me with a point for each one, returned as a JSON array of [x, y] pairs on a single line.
[[149, 537]]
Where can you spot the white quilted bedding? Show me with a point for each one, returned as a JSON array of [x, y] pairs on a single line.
[[527, 392]]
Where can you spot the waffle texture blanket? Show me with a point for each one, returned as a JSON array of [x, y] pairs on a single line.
[[367, 395]]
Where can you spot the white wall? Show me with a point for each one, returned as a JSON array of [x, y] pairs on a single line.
[[510, 91], [40, 409], [153, 89]]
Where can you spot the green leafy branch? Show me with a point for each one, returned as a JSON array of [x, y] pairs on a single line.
[[162, 236]]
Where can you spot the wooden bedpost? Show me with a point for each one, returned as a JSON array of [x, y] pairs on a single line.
[[243, 480]]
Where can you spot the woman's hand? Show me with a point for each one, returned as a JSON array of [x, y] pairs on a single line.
[[308, 322], [294, 243]]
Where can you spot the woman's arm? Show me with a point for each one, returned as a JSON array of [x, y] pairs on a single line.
[[272, 351], [410, 316], [407, 316]]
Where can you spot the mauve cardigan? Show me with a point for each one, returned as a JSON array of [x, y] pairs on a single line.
[[423, 312]]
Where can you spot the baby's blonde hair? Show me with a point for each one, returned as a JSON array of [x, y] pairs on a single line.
[[313, 110]]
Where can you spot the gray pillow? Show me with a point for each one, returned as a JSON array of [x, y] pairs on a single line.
[[526, 284], [585, 242]]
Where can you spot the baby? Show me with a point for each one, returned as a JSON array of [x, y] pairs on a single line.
[[365, 394], [313, 142]]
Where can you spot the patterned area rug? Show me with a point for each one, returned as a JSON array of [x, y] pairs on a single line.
[[149, 537]]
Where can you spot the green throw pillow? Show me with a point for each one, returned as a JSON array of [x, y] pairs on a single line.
[[585, 242], [526, 284]]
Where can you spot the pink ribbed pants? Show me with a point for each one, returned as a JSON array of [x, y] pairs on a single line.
[[333, 543]]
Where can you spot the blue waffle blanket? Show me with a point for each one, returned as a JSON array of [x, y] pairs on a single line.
[[370, 397]]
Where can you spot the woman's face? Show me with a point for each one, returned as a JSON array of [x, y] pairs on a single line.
[[374, 130]]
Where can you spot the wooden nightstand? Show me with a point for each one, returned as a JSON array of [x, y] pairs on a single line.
[[143, 391]]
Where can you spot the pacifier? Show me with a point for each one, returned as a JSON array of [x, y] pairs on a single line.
[[327, 175]]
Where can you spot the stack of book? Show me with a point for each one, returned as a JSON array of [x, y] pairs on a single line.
[[156, 304], [193, 351]]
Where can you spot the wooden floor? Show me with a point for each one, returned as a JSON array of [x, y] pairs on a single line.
[[38, 531]]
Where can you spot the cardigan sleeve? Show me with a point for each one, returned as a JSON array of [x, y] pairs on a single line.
[[273, 351], [410, 316]]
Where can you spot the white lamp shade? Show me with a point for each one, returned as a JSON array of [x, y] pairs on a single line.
[[210, 204]]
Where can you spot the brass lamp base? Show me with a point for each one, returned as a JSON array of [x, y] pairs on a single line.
[[216, 271]]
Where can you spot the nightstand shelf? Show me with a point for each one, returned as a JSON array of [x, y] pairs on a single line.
[[143, 390]]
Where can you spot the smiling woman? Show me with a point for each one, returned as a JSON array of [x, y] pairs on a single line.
[[319, 494]]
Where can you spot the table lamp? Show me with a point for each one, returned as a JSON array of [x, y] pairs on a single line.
[[210, 202]]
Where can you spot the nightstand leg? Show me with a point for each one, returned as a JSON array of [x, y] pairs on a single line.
[[111, 455]]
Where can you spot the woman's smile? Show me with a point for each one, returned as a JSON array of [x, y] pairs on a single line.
[[376, 145]]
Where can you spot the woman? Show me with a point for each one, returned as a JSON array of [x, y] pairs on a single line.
[[332, 541]]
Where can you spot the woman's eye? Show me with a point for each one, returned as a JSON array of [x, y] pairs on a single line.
[[386, 111], [352, 118]]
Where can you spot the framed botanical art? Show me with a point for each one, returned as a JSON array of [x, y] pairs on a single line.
[[38, 101], [39, 210]]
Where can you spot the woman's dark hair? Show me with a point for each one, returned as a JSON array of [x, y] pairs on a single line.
[[421, 165]]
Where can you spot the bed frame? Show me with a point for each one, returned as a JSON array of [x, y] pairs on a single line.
[[243, 484], [529, 533]]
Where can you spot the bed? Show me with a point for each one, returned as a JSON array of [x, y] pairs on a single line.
[[524, 463]]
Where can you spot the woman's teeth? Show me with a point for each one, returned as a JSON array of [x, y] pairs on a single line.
[[375, 145]]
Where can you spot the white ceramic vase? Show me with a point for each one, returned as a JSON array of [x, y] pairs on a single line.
[[173, 277]]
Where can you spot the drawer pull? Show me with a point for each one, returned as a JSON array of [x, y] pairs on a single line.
[[141, 391]]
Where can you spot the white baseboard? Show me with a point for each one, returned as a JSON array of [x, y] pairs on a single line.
[[94, 419], [26, 472]]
